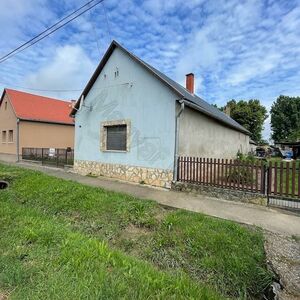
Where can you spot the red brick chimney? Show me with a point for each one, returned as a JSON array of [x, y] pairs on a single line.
[[189, 83]]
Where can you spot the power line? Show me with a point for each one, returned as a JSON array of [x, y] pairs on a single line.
[[52, 26], [65, 90], [29, 44]]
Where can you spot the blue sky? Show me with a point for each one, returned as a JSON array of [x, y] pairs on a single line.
[[237, 49]]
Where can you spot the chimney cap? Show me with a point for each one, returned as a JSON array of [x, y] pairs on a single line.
[[189, 74]]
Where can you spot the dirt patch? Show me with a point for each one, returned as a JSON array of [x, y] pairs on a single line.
[[163, 212], [3, 296], [132, 232], [283, 256]]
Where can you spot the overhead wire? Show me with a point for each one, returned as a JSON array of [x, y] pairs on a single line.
[[34, 40]]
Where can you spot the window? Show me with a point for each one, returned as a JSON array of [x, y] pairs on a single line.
[[4, 136], [116, 137], [5, 105], [10, 136]]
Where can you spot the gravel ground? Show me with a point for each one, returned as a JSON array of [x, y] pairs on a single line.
[[283, 255]]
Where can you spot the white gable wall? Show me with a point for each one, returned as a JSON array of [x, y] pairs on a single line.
[[135, 95]]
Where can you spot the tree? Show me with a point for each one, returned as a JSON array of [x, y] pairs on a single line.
[[285, 119], [251, 114]]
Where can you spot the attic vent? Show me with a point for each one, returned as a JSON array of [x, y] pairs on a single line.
[[116, 72]]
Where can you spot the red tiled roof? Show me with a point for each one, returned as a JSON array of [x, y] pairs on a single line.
[[39, 108]]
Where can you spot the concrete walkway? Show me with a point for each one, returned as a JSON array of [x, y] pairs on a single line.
[[270, 219]]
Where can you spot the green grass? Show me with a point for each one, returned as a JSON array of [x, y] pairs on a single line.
[[66, 240]]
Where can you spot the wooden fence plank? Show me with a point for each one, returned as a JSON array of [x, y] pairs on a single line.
[[214, 175], [222, 172], [287, 178], [204, 173], [210, 168], [256, 176], [270, 177], [293, 178], [229, 175], [197, 170], [200, 173], [281, 179], [275, 177], [262, 178]]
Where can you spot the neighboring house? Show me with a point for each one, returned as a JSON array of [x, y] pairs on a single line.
[[33, 121], [132, 121], [252, 146]]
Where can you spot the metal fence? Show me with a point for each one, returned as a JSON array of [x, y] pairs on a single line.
[[280, 182], [49, 156]]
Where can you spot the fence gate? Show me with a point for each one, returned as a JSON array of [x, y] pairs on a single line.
[[280, 183], [284, 184]]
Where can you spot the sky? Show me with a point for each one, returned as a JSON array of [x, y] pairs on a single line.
[[236, 49]]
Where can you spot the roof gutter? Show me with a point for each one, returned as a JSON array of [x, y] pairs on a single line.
[[175, 169]]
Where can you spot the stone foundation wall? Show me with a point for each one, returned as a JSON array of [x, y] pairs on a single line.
[[227, 194], [156, 177]]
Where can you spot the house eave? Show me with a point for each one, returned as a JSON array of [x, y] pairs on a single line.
[[45, 121]]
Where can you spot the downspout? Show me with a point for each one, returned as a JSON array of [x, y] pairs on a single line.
[[177, 139], [18, 143]]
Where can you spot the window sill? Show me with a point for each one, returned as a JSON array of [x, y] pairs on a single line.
[[115, 151]]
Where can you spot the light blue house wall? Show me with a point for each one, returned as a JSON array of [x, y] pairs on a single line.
[[126, 90]]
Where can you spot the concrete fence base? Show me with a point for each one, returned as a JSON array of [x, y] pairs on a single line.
[[217, 192]]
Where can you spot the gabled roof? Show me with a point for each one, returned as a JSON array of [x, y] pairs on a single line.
[[191, 100], [38, 108]]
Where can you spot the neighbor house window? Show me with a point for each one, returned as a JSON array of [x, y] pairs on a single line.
[[5, 105], [4, 136], [115, 135], [10, 136]]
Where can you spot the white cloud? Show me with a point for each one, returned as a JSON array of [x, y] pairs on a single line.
[[69, 69]]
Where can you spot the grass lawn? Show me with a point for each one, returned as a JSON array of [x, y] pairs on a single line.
[[63, 240]]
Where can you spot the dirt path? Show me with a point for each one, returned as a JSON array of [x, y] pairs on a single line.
[[283, 256]]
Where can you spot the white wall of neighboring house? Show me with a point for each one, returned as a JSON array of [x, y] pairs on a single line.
[[202, 136]]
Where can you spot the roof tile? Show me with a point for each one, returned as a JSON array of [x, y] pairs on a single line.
[[39, 108]]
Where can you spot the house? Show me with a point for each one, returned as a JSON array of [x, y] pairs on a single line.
[[28, 120], [132, 122]]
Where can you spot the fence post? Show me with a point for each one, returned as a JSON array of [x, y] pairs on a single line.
[[42, 156], [178, 168], [66, 162], [268, 181], [57, 153]]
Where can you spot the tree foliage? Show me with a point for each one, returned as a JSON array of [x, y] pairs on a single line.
[[251, 114], [285, 119]]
